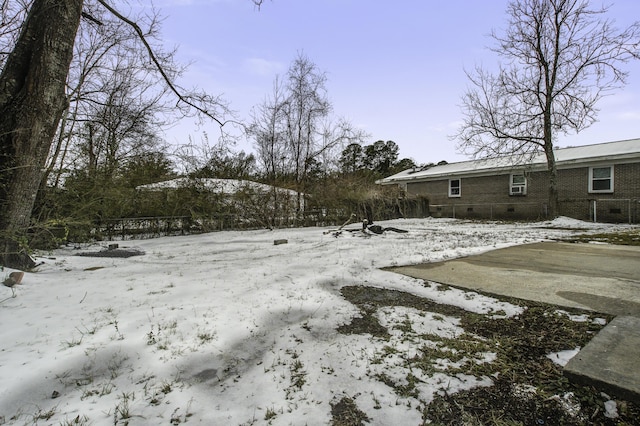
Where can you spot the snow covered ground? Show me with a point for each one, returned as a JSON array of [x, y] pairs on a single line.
[[228, 329]]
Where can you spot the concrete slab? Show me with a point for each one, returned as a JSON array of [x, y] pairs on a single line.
[[610, 360], [599, 277]]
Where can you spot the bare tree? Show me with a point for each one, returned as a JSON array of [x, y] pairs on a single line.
[[335, 135], [32, 99], [561, 58], [306, 107], [121, 120], [268, 134], [32, 102], [294, 132], [104, 50]]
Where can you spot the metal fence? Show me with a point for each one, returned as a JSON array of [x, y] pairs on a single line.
[[615, 210], [604, 210], [150, 227]]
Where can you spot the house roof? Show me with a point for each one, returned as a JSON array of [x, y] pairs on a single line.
[[565, 158], [221, 186]]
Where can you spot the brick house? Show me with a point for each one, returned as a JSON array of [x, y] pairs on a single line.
[[598, 182]]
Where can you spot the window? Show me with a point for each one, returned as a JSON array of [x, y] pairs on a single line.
[[518, 185], [454, 188], [601, 179]]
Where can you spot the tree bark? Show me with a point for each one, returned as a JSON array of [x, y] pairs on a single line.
[[550, 155], [552, 211], [32, 99]]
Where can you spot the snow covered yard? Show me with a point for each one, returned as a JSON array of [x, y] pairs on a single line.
[[229, 329]]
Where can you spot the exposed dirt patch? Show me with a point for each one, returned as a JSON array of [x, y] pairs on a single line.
[[118, 253], [346, 413], [528, 388], [627, 238]]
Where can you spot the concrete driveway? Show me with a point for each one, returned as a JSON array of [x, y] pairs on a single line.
[[600, 277]]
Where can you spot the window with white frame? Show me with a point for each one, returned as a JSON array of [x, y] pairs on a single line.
[[601, 179], [454, 188], [518, 184]]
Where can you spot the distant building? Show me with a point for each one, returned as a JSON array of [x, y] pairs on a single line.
[[598, 182], [224, 186], [244, 200]]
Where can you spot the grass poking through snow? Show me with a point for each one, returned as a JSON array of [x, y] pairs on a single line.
[[508, 356]]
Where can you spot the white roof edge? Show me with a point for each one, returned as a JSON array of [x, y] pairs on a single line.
[[567, 157]]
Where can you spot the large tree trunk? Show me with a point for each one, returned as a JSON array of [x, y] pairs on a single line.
[[32, 98], [553, 185], [551, 164]]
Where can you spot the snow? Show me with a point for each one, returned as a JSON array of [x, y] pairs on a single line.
[[393, 317], [563, 357], [582, 318], [228, 328], [223, 186], [611, 409]]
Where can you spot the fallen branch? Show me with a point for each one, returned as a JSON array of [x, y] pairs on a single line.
[[337, 231]]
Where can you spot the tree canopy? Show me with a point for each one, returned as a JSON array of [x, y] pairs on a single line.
[[379, 158]]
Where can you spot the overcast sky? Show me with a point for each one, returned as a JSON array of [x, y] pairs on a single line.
[[395, 68]]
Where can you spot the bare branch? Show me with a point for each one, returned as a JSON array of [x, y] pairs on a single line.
[[562, 58], [90, 18], [159, 67]]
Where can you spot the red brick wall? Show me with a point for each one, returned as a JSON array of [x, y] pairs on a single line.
[[488, 196], [621, 205]]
